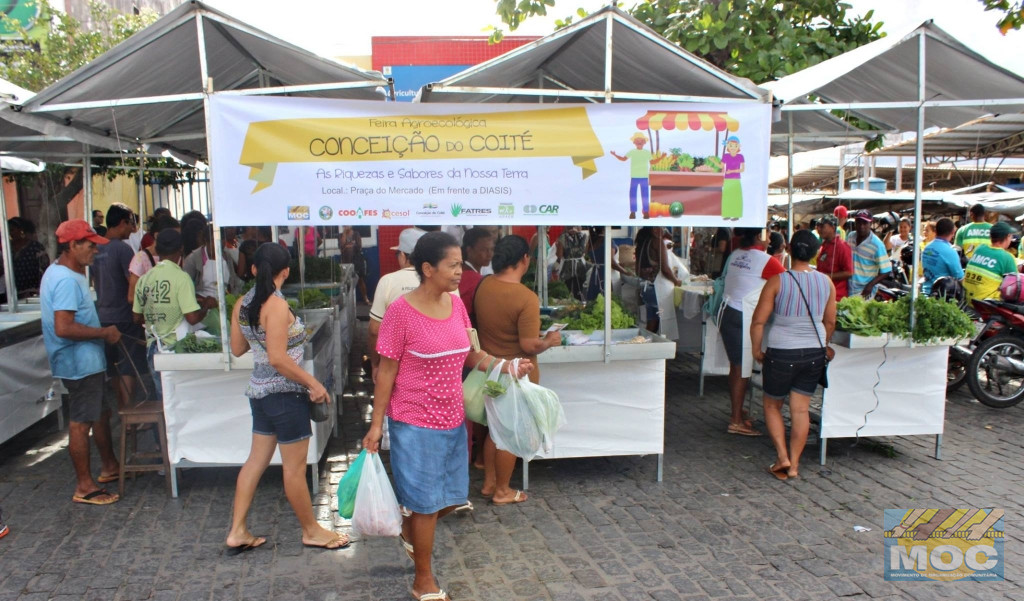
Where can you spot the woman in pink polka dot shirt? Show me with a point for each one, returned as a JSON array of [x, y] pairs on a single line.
[[424, 344]]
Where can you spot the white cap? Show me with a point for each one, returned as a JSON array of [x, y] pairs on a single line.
[[407, 240]]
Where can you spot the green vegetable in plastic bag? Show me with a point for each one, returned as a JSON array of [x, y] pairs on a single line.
[[349, 485]]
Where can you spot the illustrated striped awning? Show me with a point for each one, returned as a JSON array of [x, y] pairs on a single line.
[[684, 120]]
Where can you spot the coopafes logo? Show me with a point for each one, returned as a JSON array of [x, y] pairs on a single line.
[[943, 544], [298, 213]]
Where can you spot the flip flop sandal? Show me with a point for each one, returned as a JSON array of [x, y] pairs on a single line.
[[90, 499], [742, 430], [4, 531], [256, 542], [466, 508], [407, 546], [518, 498], [108, 479], [328, 547], [438, 596], [779, 473]]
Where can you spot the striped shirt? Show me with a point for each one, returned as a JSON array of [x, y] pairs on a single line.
[[791, 326], [869, 260]]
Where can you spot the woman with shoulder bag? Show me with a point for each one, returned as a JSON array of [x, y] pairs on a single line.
[[279, 392], [801, 304]]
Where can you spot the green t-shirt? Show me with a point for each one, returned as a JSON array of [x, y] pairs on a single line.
[[163, 296], [985, 272], [973, 235], [639, 162]]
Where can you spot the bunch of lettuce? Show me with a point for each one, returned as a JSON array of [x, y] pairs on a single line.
[[592, 318], [935, 319]]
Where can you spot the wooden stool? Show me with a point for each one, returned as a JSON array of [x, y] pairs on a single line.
[[146, 412]]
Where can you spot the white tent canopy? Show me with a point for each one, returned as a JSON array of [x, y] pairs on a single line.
[[996, 136], [150, 88], [879, 82], [608, 55]]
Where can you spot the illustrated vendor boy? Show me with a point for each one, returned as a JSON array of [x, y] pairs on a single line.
[[732, 193], [640, 161]]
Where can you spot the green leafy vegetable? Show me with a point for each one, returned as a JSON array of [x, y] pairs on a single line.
[[494, 389], [592, 318], [935, 319], [191, 344], [313, 298]]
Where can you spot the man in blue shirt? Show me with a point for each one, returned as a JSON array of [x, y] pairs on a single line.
[[75, 346], [939, 258]]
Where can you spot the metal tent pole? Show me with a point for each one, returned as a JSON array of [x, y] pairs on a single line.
[[789, 177], [87, 183], [12, 292], [918, 171], [609, 47], [208, 89]]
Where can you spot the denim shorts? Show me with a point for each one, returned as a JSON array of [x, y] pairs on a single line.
[[650, 298], [429, 466], [792, 370], [282, 414], [732, 334]]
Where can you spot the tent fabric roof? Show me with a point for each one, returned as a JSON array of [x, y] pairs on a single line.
[[886, 71], [1000, 136], [163, 60], [573, 58]]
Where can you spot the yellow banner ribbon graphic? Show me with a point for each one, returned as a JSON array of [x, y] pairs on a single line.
[[520, 134]]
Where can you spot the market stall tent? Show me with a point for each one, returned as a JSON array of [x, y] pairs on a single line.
[[153, 91], [925, 78], [617, 405]]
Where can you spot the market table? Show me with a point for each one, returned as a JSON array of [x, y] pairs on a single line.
[[28, 391], [209, 422], [614, 407], [881, 386]]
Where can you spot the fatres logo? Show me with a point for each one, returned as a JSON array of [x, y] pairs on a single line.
[[298, 213]]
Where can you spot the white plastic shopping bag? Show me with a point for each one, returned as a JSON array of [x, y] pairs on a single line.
[[376, 511], [547, 410], [511, 424]]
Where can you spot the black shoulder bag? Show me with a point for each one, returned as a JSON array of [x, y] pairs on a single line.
[[823, 379]]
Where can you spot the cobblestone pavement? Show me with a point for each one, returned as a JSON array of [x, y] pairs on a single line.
[[718, 527]]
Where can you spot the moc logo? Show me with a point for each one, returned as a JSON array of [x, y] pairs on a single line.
[[326, 213], [943, 544], [506, 210], [298, 213]]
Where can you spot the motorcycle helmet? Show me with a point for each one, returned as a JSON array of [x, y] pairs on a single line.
[[949, 289], [1012, 288]]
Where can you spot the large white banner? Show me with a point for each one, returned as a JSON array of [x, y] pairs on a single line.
[[302, 161]]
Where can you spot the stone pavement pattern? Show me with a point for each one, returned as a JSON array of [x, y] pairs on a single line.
[[718, 527]]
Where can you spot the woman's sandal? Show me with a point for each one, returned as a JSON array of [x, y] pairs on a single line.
[[438, 596], [407, 546], [742, 430], [778, 472]]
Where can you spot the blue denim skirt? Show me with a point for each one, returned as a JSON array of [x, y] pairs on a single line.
[[430, 467]]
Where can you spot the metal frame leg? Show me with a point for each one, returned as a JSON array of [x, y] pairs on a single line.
[[824, 446], [661, 466], [315, 478], [526, 474], [938, 446], [174, 481], [703, 337]]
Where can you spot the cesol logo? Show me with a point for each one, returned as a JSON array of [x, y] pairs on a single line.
[[541, 209], [390, 214], [298, 213]]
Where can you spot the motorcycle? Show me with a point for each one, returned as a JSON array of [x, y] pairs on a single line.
[[995, 371]]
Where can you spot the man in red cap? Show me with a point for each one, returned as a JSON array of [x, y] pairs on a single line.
[[842, 214], [75, 346]]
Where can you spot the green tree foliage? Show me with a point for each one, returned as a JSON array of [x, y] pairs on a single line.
[[1013, 13], [761, 40], [66, 46]]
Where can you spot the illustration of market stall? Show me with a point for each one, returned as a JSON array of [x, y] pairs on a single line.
[[204, 404], [614, 394]]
